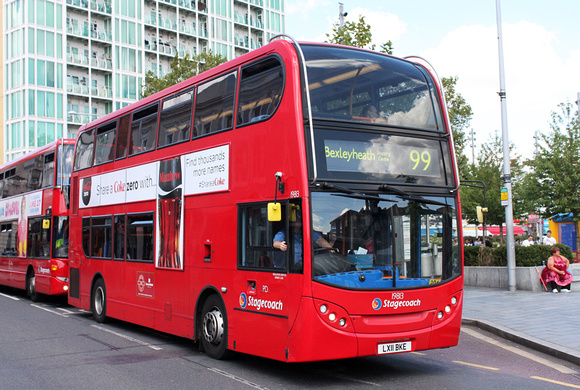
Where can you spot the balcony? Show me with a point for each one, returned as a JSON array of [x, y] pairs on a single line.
[[80, 119], [102, 7], [76, 30], [103, 63], [79, 3], [102, 92], [102, 35], [77, 59], [187, 28], [77, 88], [187, 4]]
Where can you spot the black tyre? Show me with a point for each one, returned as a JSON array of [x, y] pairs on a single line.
[[214, 328], [31, 287], [99, 301]]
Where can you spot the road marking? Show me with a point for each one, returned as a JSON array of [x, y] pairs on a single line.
[[237, 379], [476, 365], [154, 347], [65, 310], [48, 310], [556, 382], [419, 353], [11, 297], [537, 359]]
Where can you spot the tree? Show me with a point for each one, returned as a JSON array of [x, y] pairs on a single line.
[[489, 169], [460, 112], [356, 35], [556, 167], [460, 115], [181, 69]]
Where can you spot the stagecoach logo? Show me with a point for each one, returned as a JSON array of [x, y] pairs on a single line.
[[258, 304], [243, 300], [87, 182], [394, 303]]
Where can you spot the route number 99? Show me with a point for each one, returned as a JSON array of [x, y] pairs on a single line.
[[420, 158]]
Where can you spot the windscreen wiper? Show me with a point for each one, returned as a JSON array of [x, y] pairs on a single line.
[[348, 193], [405, 195]]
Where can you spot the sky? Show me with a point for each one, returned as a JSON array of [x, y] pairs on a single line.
[[541, 46]]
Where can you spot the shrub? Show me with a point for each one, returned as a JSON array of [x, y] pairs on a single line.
[[525, 256]]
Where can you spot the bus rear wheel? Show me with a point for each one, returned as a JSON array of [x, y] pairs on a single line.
[[31, 287], [214, 328], [99, 301]]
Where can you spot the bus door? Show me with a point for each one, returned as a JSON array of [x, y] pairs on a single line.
[[267, 267]]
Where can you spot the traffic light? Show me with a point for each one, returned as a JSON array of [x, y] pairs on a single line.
[[480, 210]]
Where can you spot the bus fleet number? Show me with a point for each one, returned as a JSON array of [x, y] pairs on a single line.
[[294, 194]]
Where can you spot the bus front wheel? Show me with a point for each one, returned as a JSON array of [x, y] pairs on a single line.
[[31, 287], [214, 328], [99, 301]]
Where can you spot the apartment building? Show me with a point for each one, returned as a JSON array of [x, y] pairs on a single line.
[[68, 62]]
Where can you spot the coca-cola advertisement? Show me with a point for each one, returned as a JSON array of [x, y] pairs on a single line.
[[170, 214]]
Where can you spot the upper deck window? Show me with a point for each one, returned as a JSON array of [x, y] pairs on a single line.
[[362, 86], [214, 106], [84, 150], [175, 120], [123, 136], [261, 90], [144, 129], [105, 146]]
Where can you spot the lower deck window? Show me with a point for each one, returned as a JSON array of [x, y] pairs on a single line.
[[8, 238], [140, 243]]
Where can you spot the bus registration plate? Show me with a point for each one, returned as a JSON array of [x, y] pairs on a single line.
[[394, 347]]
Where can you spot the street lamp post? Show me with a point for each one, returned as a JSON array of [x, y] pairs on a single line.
[[509, 215]]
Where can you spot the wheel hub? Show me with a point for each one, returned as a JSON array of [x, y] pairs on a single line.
[[213, 326]]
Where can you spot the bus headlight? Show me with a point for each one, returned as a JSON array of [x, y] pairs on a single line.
[[334, 316]]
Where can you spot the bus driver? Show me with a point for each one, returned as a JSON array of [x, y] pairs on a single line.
[[280, 240]]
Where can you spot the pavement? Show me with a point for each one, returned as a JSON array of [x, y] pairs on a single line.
[[546, 322]]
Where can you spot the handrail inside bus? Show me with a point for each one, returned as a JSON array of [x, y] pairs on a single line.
[[303, 60], [427, 65]]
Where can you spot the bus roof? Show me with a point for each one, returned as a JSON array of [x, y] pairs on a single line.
[[279, 45], [37, 152]]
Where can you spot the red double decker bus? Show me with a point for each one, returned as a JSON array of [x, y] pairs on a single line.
[[298, 203], [34, 220]]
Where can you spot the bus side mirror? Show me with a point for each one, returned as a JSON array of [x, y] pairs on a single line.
[[274, 212]]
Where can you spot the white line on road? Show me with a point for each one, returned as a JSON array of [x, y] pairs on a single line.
[[537, 359], [154, 347], [11, 297], [48, 310], [237, 378]]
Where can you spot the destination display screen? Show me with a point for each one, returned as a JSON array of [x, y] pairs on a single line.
[[348, 155], [383, 158]]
